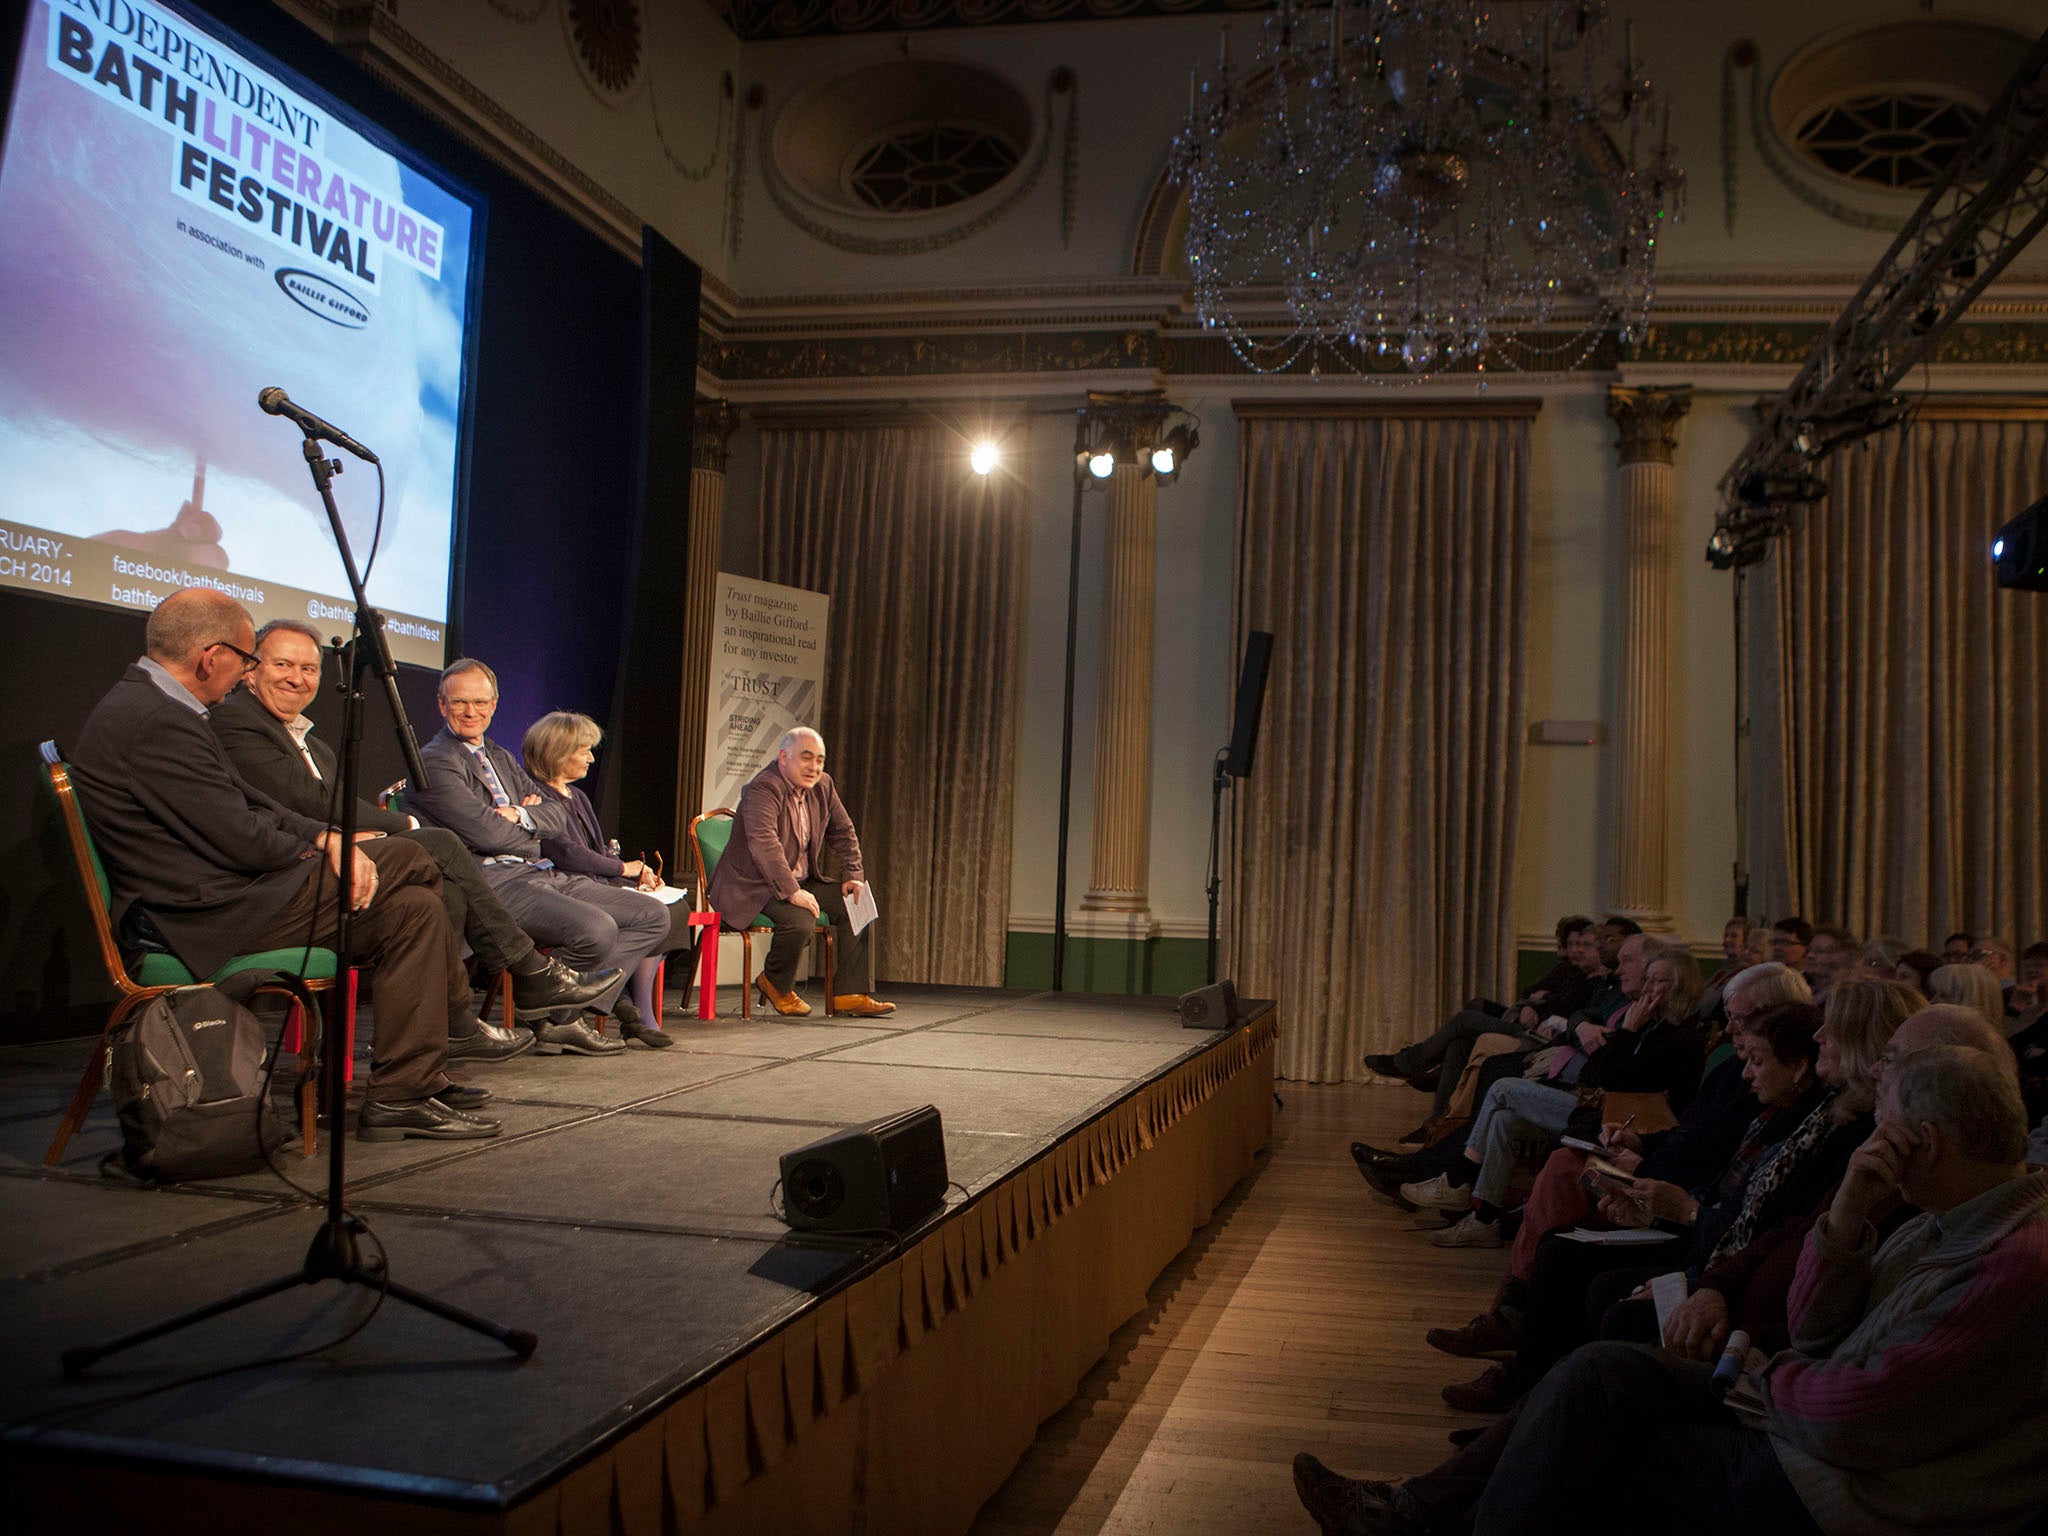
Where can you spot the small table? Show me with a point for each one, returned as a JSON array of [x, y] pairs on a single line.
[[707, 965]]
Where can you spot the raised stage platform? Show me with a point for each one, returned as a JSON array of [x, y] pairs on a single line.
[[700, 1366]]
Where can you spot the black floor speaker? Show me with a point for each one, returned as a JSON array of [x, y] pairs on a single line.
[[1213, 1007], [880, 1177]]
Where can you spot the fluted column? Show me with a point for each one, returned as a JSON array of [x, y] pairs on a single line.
[[1120, 846], [1639, 879], [709, 441]]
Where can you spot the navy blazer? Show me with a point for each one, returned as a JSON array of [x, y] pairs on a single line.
[[265, 755], [208, 857], [458, 798], [581, 848]]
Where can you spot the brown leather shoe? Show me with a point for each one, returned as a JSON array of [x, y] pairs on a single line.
[[1491, 1391], [860, 1006], [788, 1004]]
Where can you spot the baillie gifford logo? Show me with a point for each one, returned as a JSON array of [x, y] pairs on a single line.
[[324, 297]]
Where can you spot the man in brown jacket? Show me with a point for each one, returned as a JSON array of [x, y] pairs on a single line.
[[788, 815]]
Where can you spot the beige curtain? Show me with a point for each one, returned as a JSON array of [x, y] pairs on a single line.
[[924, 562], [1373, 847], [1901, 741]]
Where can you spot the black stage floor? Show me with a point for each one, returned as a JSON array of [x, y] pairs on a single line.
[[623, 1216]]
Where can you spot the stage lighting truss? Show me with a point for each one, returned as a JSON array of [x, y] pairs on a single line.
[[1988, 205], [1145, 430]]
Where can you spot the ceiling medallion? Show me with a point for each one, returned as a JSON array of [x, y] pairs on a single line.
[[608, 38], [1418, 186]]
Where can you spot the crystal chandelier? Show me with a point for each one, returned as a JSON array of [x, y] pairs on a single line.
[[1426, 186]]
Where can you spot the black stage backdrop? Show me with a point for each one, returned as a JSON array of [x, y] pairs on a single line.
[[568, 559]]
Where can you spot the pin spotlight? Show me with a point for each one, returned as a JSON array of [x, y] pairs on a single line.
[[1102, 465], [984, 457], [2020, 553]]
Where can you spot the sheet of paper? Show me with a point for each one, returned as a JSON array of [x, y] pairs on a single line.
[[1619, 1237], [669, 895], [1578, 1145], [1667, 1291], [861, 908]]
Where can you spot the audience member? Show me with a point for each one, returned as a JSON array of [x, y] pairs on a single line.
[[1995, 955], [1881, 956], [1912, 1399], [1916, 968], [1828, 952], [1789, 938], [1649, 1049], [1955, 949], [1970, 985]]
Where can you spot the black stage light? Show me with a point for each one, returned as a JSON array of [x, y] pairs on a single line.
[[2019, 555]]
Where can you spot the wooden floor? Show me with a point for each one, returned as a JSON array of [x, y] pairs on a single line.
[[1294, 1321]]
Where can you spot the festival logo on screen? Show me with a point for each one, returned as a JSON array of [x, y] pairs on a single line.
[[180, 229]]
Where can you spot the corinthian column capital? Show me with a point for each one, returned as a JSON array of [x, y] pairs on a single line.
[[711, 434], [1647, 418]]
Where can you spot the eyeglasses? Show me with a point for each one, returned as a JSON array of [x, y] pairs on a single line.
[[470, 706], [249, 660]]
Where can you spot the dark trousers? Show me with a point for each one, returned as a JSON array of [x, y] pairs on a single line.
[[1560, 1312], [474, 910], [1627, 1438], [852, 967], [404, 934], [588, 924], [1450, 1047]]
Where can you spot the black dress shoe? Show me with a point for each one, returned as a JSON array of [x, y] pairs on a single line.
[[574, 1036], [1385, 1181], [426, 1118], [559, 987], [463, 1097], [1386, 1066], [490, 1042], [1363, 1153], [646, 1034]]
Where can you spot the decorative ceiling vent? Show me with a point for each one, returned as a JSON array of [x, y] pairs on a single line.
[[907, 137], [1888, 107]]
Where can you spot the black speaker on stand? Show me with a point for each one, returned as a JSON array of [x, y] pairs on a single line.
[[1235, 762]]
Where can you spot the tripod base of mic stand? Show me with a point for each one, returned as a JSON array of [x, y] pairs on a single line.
[[333, 1255]]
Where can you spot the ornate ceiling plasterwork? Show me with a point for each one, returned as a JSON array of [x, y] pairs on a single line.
[[754, 19]]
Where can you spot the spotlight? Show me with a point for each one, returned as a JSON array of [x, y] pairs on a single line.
[[1102, 464], [1162, 461], [2020, 555], [1173, 450], [983, 459]]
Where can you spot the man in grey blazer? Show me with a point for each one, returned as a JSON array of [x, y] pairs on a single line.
[[207, 867], [789, 815], [269, 738], [484, 795]]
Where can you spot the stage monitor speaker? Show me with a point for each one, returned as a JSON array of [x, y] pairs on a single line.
[[1212, 1007], [1251, 704], [880, 1177], [2019, 555]]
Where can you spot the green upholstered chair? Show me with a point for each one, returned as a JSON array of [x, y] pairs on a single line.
[[709, 835], [156, 971]]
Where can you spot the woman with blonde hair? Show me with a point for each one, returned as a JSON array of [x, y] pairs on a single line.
[[1859, 1018], [559, 749], [1974, 987]]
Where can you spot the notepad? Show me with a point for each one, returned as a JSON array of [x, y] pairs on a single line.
[[1618, 1237], [861, 908]]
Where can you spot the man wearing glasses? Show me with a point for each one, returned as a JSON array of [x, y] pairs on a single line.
[[206, 867], [264, 728]]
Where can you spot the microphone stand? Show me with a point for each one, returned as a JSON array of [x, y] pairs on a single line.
[[334, 1253]]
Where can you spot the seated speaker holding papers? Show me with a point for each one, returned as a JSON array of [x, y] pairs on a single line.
[[789, 815]]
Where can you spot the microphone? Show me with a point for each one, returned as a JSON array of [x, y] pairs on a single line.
[[278, 403]]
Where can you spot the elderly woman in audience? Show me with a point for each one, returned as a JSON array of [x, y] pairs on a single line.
[[1651, 1048], [1972, 986], [1912, 1397], [559, 749], [1689, 1154], [1880, 957]]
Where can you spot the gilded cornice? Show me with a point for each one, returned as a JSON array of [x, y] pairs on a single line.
[[936, 354], [760, 19]]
